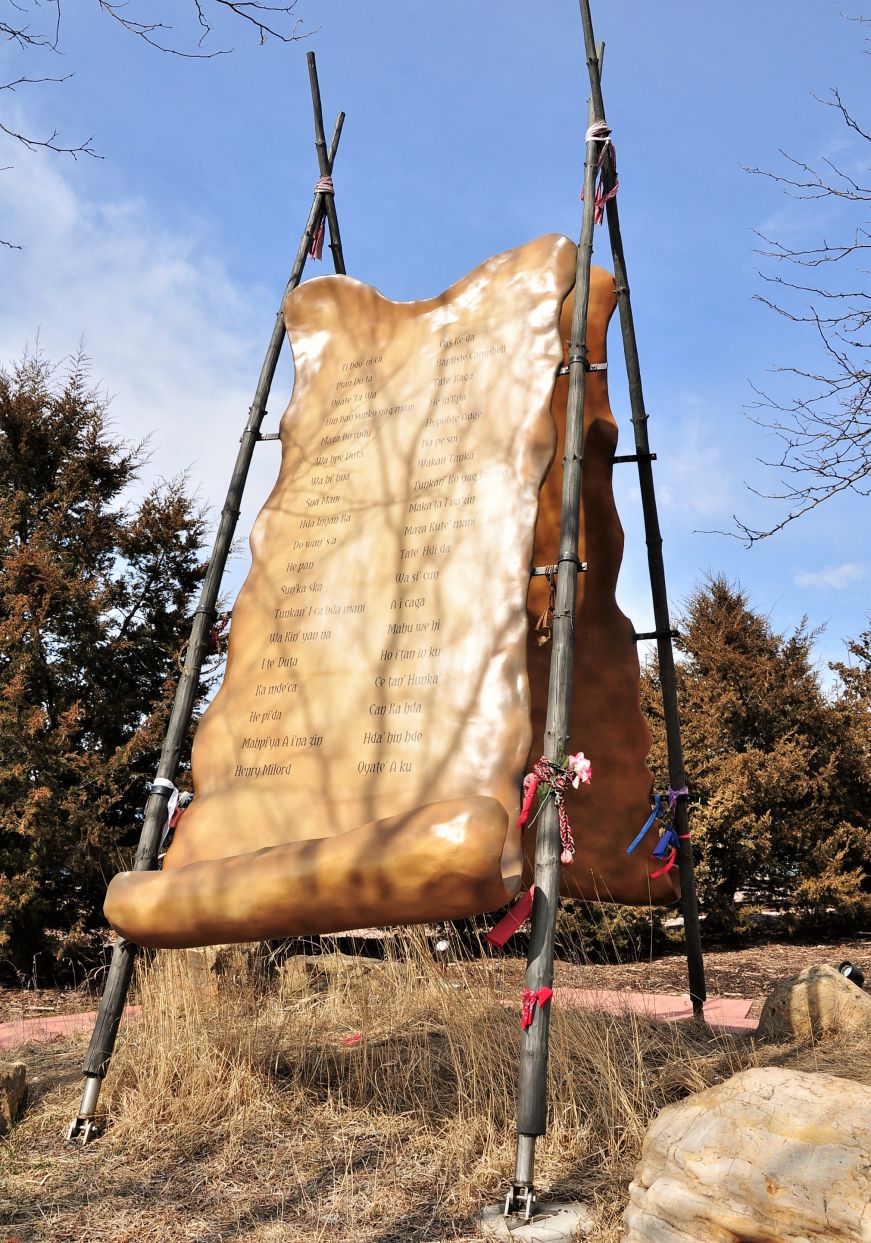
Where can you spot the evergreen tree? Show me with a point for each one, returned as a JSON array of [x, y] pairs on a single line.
[[95, 598], [779, 773]]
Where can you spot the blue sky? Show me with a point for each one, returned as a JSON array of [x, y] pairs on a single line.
[[464, 136]]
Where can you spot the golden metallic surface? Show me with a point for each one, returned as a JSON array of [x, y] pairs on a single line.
[[606, 719], [361, 762]]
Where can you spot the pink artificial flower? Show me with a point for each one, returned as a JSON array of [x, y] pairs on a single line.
[[580, 767]]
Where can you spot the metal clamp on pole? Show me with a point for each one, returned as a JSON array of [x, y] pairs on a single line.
[[545, 571], [564, 370]]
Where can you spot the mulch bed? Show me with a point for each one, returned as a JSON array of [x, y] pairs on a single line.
[[34, 1003]]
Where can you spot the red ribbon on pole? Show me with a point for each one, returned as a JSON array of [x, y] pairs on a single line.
[[530, 1000]]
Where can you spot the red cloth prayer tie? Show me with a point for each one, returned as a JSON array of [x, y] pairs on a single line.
[[508, 924], [669, 864], [530, 789], [316, 250], [217, 631], [600, 132], [530, 1001], [557, 778]]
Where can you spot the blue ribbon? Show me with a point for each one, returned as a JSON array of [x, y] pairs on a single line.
[[654, 815], [667, 842]]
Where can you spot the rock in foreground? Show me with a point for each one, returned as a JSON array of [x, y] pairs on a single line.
[[779, 1156], [13, 1093]]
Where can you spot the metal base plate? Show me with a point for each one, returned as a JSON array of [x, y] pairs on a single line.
[[556, 1221], [84, 1130]]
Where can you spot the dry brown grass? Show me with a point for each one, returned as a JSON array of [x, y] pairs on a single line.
[[240, 1114]]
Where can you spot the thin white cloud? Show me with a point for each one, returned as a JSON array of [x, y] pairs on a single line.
[[694, 477], [835, 577], [171, 336]]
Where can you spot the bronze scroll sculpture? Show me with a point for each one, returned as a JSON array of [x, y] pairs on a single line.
[[361, 763], [362, 760]]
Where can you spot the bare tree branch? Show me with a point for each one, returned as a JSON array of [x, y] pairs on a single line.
[[23, 36], [270, 21], [51, 143], [825, 429], [32, 26]]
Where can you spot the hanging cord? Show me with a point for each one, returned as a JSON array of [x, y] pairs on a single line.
[[544, 625], [316, 250], [218, 637], [600, 132]]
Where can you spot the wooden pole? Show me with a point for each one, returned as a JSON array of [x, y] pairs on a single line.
[[532, 1088], [665, 650], [124, 952], [325, 164]]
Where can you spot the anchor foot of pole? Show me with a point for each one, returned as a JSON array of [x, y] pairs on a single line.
[[555, 1221], [521, 1201], [86, 1126]]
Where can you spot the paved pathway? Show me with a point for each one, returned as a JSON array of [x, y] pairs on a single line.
[[50, 1026], [726, 1013], [730, 1014]]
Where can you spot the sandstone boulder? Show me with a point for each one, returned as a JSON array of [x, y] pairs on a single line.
[[304, 974], [208, 969], [816, 1003], [769, 1156], [13, 1093]]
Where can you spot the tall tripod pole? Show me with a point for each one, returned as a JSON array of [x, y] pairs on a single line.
[[532, 1088], [120, 972], [663, 632]]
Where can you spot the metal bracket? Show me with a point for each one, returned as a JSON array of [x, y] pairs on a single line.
[[269, 436], [84, 1130], [542, 571], [656, 634], [521, 1201], [578, 358], [635, 457]]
